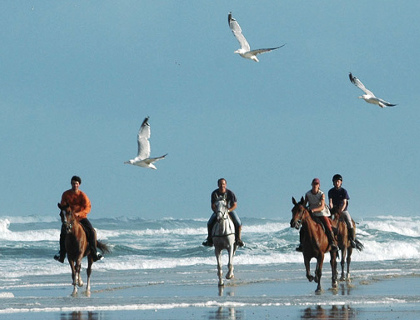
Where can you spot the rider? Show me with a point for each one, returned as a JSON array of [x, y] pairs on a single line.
[[316, 201], [338, 198], [231, 201], [80, 205]]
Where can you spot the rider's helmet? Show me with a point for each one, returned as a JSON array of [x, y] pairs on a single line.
[[337, 177]]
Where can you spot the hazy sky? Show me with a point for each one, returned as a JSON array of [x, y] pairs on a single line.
[[78, 78]]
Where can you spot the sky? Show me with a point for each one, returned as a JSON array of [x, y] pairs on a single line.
[[77, 78]]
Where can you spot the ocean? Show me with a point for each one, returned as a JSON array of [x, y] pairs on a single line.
[[160, 265]]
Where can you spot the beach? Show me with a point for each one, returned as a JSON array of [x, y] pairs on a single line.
[[158, 269], [255, 293]]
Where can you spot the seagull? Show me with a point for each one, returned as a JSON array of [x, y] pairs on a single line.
[[142, 159], [245, 50], [369, 96]]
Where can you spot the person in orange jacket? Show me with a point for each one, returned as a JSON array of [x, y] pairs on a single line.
[[79, 204]]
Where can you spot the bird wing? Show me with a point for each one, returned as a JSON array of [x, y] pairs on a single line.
[[258, 51], [360, 85], [143, 140], [388, 104], [237, 32], [151, 160]]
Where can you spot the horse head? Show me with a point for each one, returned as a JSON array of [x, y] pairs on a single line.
[[221, 209], [67, 216], [297, 213], [335, 213]]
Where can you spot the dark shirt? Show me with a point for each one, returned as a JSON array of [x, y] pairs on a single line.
[[338, 196], [230, 197]]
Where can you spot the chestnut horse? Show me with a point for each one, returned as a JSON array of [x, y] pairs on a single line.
[[314, 242], [344, 243], [77, 248]]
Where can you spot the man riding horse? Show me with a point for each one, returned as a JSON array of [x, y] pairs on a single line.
[[223, 192], [79, 204], [338, 201]]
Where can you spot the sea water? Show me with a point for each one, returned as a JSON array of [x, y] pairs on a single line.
[[161, 264]]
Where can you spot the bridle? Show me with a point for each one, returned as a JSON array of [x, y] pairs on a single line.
[[222, 211], [297, 215], [68, 224]]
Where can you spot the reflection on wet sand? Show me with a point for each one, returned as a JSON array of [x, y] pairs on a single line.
[[226, 313], [336, 312], [78, 315]]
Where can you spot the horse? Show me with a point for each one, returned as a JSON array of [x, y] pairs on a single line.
[[344, 244], [223, 235], [77, 248], [315, 243]]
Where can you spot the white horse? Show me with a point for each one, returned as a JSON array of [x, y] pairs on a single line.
[[223, 235]]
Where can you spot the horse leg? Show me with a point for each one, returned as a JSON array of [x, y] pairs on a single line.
[[334, 272], [73, 276], [230, 274], [350, 251], [218, 253], [78, 269], [307, 262], [318, 272], [343, 263], [89, 272]]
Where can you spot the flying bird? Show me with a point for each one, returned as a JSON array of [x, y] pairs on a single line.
[[369, 96], [142, 159], [245, 50]]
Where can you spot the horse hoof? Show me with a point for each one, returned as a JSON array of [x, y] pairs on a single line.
[[310, 278], [229, 276], [221, 284]]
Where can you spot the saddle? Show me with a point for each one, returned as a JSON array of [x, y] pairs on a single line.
[[319, 221]]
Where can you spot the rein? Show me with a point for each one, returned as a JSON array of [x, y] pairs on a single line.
[[222, 217]]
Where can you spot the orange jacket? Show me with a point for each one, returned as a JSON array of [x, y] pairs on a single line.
[[79, 203]]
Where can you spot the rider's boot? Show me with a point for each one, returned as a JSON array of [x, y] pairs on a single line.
[[96, 256], [61, 255], [352, 236], [239, 241], [209, 241]]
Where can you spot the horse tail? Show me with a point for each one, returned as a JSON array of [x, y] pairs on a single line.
[[103, 247]]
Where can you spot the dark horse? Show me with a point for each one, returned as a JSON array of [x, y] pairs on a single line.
[[77, 247], [343, 242], [315, 243]]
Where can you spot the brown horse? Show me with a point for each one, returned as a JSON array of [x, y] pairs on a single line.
[[344, 244], [314, 242], [77, 248]]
